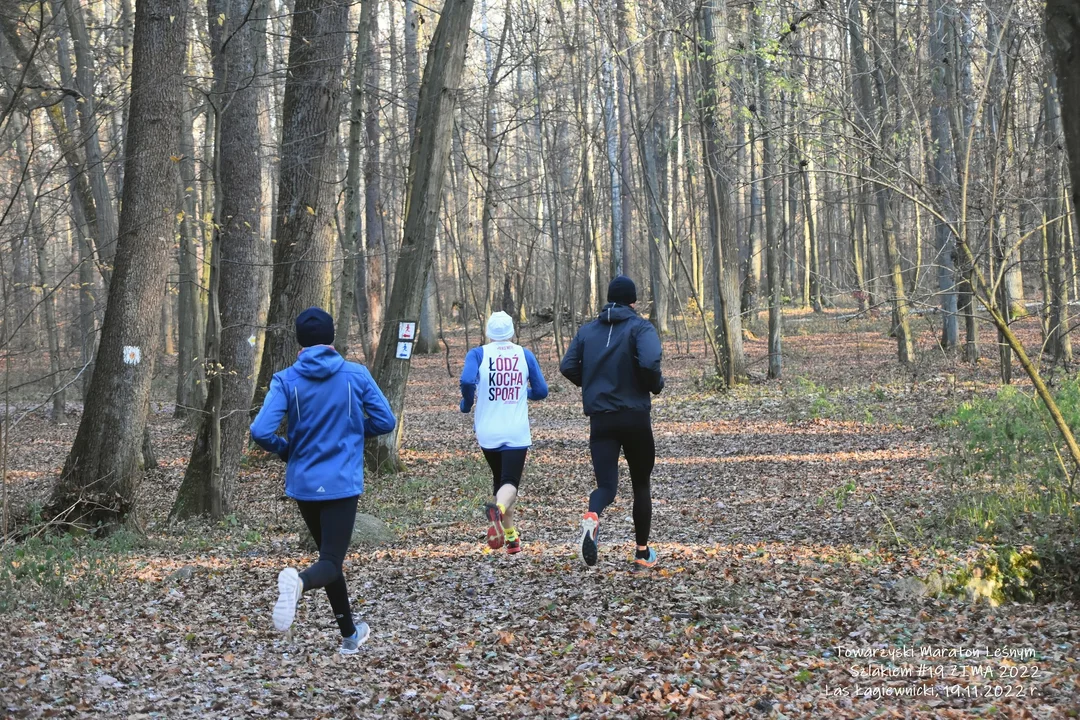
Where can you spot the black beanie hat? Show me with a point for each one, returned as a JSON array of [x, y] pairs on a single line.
[[314, 326], [622, 291]]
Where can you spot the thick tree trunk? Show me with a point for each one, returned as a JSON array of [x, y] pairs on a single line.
[[101, 476], [304, 247], [1062, 23], [427, 337], [208, 483], [428, 156], [425, 331]]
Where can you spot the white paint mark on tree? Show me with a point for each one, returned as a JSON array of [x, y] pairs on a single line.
[[132, 355]]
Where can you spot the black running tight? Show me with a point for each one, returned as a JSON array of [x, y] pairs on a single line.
[[631, 433], [506, 467], [331, 525]]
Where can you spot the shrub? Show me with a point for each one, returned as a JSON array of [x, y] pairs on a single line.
[[58, 569], [1007, 458]]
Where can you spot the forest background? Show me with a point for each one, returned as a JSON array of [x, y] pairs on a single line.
[[849, 217]]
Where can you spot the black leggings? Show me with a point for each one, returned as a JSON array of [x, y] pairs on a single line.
[[630, 432], [331, 525], [506, 467]]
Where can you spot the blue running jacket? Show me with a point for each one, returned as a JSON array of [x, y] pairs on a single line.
[[332, 406]]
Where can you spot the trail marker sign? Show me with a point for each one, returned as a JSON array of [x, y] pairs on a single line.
[[406, 331], [404, 350]]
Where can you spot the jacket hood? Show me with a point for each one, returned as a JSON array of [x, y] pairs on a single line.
[[318, 362], [615, 313]]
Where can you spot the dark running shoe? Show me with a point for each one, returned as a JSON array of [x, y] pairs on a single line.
[[590, 524]]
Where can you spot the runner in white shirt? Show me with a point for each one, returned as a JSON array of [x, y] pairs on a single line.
[[501, 378]]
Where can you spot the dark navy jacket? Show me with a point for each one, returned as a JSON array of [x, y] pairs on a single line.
[[332, 405], [615, 360]]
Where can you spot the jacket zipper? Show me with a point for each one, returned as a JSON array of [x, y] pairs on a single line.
[[296, 395]]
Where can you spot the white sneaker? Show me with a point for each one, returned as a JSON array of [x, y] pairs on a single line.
[[290, 588], [351, 645]]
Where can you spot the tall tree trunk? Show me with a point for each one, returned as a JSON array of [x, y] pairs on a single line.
[[768, 170], [191, 368], [371, 314], [101, 475], [944, 173], [1063, 35], [428, 156], [492, 146], [548, 191], [207, 488], [307, 197], [883, 225], [625, 170], [722, 241], [611, 137], [1000, 223], [354, 271], [426, 340], [1059, 344], [650, 132], [48, 294], [88, 123]]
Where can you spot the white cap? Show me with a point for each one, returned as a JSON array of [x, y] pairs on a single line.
[[500, 326]]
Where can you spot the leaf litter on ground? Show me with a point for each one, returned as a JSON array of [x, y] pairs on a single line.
[[783, 516]]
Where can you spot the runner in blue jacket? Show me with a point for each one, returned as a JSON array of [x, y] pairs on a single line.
[[615, 360], [332, 406]]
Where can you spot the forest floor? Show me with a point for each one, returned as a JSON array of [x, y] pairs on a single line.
[[790, 519]]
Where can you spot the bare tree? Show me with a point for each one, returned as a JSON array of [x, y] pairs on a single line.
[[429, 153], [303, 226], [208, 483]]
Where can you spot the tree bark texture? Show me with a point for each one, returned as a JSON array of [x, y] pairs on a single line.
[[101, 476], [215, 457], [428, 157], [727, 318], [303, 226]]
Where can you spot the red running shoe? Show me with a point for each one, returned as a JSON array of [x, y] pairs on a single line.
[[496, 537]]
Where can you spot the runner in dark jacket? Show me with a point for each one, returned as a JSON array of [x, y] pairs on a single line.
[[615, 360]]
